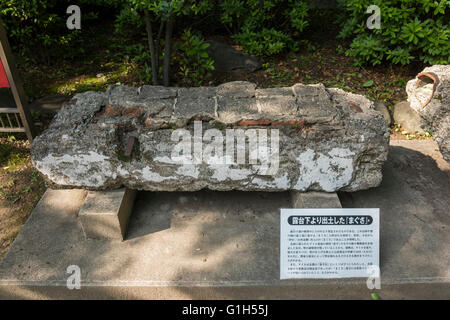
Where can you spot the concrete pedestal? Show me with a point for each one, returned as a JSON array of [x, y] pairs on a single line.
[[105, 214], [315, 200]]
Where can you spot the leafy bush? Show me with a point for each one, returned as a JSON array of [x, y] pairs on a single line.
[[265, 27], [159, 16], [129, 22], [194, 63], [37, 29], [410, 30], [266, 42], [34, 26]]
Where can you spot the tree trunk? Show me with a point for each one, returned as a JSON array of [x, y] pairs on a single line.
[[151, 47], [167, 52], [261, 4], [157, 45]]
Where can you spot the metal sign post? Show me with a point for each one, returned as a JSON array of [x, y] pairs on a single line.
[[12, 81]]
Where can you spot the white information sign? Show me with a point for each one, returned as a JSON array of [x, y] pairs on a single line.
[[329, 243]]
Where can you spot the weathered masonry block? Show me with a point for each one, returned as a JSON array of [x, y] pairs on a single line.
[[429, 96], [328, 139]]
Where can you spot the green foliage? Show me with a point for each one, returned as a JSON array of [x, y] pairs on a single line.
[[410, 30], [367, 49], [368, 83], [375, 296], [11, 157], [37, 29], [34, 24], [255, 24], [139, 54], [164, 10], [129, 22], [157, 16], [265, 42], [194, 63]]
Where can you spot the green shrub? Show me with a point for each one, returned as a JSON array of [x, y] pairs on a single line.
[[267, 27], [194, 63], [159, 18], [410, 30], [37, 29], [129, 22], [266, 42]]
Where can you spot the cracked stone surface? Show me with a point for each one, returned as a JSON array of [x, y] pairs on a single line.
[[329, 140], [435, 113]]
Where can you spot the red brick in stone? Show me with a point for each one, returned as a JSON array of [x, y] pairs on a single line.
[[110, 111], [299, 123], [132, 112], [246, 123]]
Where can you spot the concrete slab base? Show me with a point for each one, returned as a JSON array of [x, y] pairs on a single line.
[[331, 291], [220, 245], [105, 214]]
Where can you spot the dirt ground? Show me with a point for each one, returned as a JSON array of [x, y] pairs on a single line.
[[21, 187]]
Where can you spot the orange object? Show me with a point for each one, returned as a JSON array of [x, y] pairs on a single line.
[[4, 83]]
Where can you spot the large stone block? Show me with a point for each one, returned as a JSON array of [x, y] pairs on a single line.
[[429, 96], [305, 138]]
